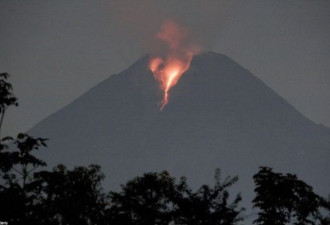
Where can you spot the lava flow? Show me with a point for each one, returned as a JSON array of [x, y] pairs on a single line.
[[169, 70]]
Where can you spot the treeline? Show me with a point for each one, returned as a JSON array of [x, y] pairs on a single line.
[[31, 194]]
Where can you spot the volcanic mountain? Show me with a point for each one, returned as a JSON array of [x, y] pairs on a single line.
[[219, 115]]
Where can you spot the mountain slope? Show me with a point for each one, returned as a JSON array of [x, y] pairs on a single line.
[[219, 116]]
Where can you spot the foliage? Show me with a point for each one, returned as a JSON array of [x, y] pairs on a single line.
[[70, 196], [7, 98], [17, 185], [284, 199], [29, 196], [155, 198], [208, 205], [143, 200], [16, 164]]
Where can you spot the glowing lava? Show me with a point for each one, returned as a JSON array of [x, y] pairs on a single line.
[[168, 73], [169, 70]]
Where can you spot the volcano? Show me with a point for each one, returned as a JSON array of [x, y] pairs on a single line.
[[219, 115]]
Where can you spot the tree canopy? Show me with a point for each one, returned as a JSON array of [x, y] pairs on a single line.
[[156, 198], [284, 199]]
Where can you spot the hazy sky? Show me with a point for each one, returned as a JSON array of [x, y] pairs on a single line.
[[57, 50]]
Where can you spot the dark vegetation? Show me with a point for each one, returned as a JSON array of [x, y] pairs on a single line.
[[31, 194]]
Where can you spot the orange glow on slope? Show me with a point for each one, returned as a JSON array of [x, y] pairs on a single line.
[[169, 70]]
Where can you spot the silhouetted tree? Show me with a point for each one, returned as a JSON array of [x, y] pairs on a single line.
[[16, 165], [325, 216], [208, 205], [7, 98], [70, 197], [144, 200], [155, 198], [283, 199], [28, 196]]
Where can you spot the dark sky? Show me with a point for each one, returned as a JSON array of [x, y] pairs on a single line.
[[57, 50]]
